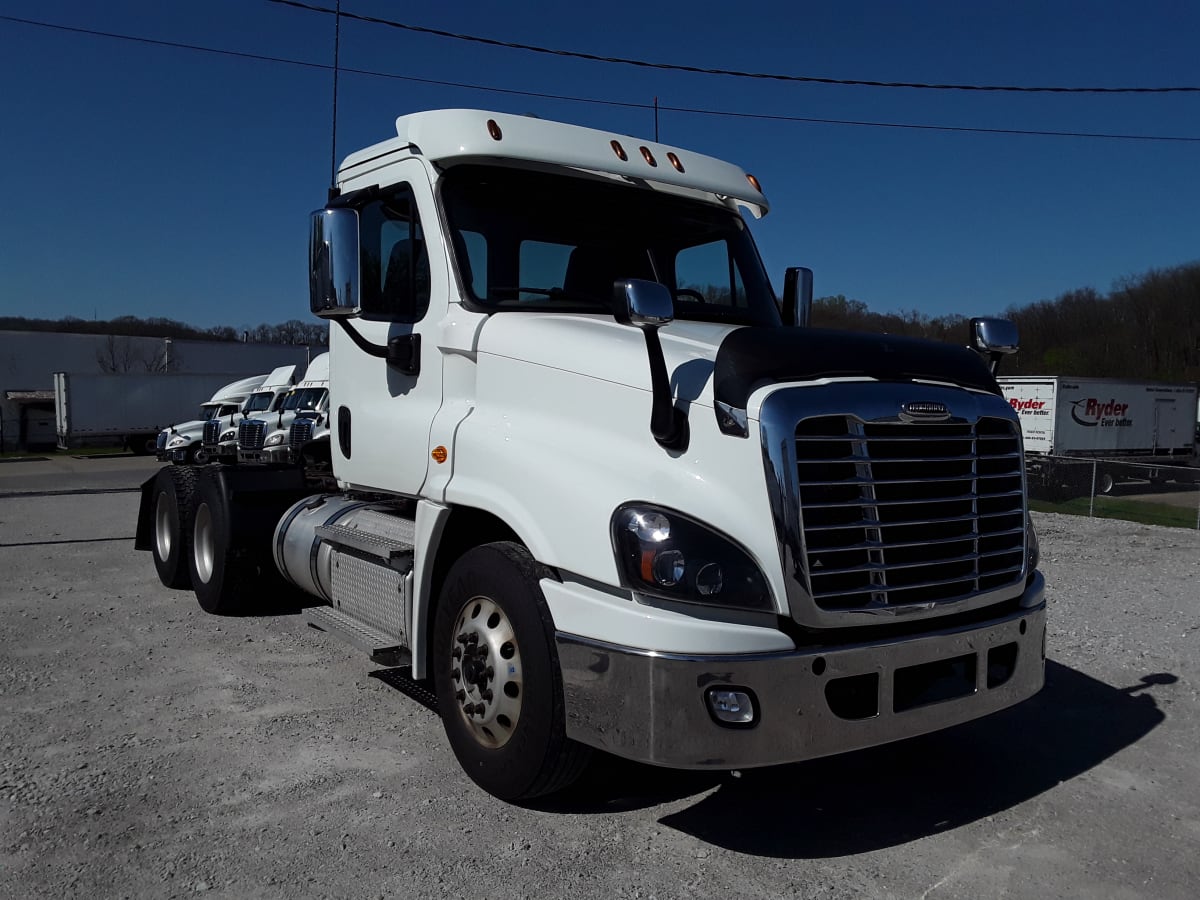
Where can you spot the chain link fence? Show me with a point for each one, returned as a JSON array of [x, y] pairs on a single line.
[[1156, 494]]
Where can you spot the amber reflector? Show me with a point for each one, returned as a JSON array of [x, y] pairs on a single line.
[[674, 160], [439, 454], [619, 150], [494, 130], [754, 183], [648, 156]]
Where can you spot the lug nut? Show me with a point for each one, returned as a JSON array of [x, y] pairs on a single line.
[[456, 675], [456, 652], [487, 695], [460, 696], [490, 673]]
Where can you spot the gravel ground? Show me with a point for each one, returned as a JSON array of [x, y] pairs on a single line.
[[149, 750]]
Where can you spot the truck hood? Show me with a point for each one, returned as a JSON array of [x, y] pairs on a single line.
[[598, 347], [710, 364]]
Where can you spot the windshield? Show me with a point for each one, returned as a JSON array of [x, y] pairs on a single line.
[[258, 402], [305, 398], [209, 411], [535, 241]]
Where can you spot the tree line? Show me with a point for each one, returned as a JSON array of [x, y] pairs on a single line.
[[294, 331], [1147, 326]]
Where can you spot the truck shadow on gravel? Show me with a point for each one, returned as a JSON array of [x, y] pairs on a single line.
[[890, 795], [881, 797], [902, 792]]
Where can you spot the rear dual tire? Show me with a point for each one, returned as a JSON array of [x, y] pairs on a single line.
[[228, 576], [174, 493]]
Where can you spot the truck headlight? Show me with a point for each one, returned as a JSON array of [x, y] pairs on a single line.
[[228, 435], [667, 554], [178, 441], [275, 439]]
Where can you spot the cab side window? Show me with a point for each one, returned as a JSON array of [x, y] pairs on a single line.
[[394, 261]]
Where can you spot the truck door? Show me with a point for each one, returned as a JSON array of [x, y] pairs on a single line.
[[380, 414], [1165, 436]]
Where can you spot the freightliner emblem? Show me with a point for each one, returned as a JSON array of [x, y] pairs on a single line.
[[925, 409]]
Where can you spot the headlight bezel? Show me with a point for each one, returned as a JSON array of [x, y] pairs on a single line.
[[275, 438], [715, 571]]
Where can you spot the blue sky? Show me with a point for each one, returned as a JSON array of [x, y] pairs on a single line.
[[147, 180]]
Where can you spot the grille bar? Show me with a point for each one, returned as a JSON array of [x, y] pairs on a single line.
[[957, 498], [895, 513]]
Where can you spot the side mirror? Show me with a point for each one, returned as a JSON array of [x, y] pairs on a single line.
[[646, 304], [797, 296], [994, 339], [333, 264]]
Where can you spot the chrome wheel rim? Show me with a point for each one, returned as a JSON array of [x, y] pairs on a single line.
[[486, 672], [163, 538], [202, 543]]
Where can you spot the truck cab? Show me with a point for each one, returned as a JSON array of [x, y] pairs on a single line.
[[220, 438], [595, 480], [267, 438], [183, 443]]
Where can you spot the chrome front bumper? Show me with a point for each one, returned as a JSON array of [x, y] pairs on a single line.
[[652, 707]]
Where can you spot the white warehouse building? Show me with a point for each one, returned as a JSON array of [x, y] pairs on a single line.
[[29, 359]]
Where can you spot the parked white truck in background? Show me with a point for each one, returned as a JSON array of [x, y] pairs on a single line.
[[268, 438], [1115, 419], [592, 480], [183, 443], [127, 408], [219, 437]]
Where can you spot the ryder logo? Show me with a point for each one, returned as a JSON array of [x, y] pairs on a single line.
[[1102, 413], [1026, 405]]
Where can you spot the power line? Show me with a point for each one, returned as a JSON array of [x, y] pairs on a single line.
[[768, 76], [597, 101]]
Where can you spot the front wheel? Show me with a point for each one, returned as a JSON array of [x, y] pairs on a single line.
[[497, 676]]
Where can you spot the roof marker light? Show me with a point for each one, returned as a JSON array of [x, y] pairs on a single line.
[[754, 182], [674, 160], [494, 130], [648, 156], [619, 150]]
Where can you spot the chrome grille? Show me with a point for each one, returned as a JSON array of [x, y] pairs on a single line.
[[251, 434], [212, 431], [898, 513], [301, 433]]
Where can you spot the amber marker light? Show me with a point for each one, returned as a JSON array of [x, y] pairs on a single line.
[[439, 455], [648, 156], [496, 133], [619, 150], [674, 160], [754, 182]]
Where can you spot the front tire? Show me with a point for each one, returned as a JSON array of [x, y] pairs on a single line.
[[174, 492], [497, 676]]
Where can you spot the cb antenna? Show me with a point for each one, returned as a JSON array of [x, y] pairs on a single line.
[[337, 44]]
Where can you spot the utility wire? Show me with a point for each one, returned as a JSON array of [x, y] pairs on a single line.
[[688, 110], [769, 76]]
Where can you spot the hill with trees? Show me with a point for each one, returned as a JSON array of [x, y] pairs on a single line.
[[1147, 326], [293, 331]]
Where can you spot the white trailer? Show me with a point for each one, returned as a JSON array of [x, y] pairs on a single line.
[[1103, 417], [131, 408]]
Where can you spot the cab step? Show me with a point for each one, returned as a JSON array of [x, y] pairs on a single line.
[[355, 631]]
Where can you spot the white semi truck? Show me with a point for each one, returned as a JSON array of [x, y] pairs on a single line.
[[1146, 423], [183, 443], [219, 437], [269, 438], [598, 485]]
